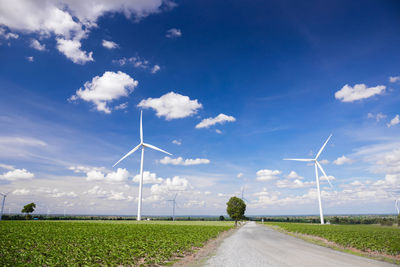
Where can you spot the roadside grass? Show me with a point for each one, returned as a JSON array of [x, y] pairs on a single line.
[[372, 241], [94, 243]]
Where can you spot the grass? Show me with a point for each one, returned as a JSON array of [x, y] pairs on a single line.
[[93, 243]]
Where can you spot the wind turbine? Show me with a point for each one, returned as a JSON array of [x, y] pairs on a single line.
[[2, 205], [316, 166], [173, 206], [242, 193], [397, 202], [141, 145]]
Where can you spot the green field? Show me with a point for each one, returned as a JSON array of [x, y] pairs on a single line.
[[56, 243], [367, 238]]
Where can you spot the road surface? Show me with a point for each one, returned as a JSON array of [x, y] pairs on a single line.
[[258, 245]]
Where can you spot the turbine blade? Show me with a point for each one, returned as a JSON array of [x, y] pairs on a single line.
[[322, 148], [307, 160], [129, 153], [141, 128], [322, 170], [156, 148]]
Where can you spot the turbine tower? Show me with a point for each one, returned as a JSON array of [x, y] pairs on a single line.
[[2, 204], [173, 206], [316, 166], [397, 202], [141, 145], [242, 193]]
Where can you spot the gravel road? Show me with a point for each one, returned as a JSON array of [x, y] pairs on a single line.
[[258, 245]]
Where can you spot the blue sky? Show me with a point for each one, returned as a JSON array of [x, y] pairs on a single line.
[[229, 90]]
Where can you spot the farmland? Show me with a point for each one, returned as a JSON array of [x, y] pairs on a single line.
[[367, 238], [64, 243]]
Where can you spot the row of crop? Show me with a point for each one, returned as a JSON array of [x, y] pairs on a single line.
[[88, 243]]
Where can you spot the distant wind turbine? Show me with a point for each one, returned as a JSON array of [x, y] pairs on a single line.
[[397, 202], [2, 204], [141, 145], [318, 165], [242, 194], [173, 206]]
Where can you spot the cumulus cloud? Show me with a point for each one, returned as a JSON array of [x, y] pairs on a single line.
[[148, 178], [176, 142], [102, 90], [358, 92], [379, 116], [267, 175], [72, 50], [30, 59], [121, 106], [21, 192], [69, 20], [137, 62], [220, 119], [17, 174], [172, 106], [294, 175], [155, 68], [109, 44], [8, 35], [394, 79], [35, 44], [119, 176], [218, 131], [175, 184], [239, 175], [394, 121], [184, 162], [342, 160], [296, 183], [173, 33]]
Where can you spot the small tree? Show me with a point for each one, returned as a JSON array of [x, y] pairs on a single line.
[[29, 208], [221, 218], [235, 208]]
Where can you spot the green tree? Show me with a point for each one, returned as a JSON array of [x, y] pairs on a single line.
[[221, 218], [235, 208], [29, 208]]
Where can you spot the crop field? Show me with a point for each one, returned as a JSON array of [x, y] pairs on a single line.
[[49, 243], [367, 238]]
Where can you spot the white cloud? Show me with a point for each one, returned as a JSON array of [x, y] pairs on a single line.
[[174, 33], [267, 175], [294, 175], [121, 106], [70, 20], [30, 59], [377, 117], [72, 50], [97, 191], [184, 162], [296, 183], [207, 193], [172, 106], [35, 44], [174, 184], [119, 176], [218, 131], [9, 35], [394, 79], [21, 141], [21, 192], [394, 121], [176, 142], [342, 160], [239, 175], [85, 169], [155, 68], [148, 178], [220, 119], [104, 89], [324, 161], [7, 167], [109, 44], [17, 174], [358, 92]]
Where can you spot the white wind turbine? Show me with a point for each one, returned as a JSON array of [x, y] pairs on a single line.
[[396, 204], [318, 165], [141, 145], [2, 204]]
